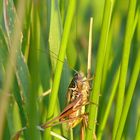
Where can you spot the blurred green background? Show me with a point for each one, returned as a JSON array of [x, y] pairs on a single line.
[[33, 89]]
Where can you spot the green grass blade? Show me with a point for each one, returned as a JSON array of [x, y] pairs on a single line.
[[10, 17], [124, 65], [130, 91], [4, 100], [38, 42], [21, 82], [55, 32], [16, 91], [26, 31], [129, 96], [18, 98], [54, 38], [61, 56], [109, 105], [3, 48], [22, 72], [107, 58], [33, 63], [137, 135], [96, 87]]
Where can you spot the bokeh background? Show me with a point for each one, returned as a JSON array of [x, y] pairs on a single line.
[[31, 34]]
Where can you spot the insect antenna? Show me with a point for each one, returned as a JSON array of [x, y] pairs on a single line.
[[49, 52]]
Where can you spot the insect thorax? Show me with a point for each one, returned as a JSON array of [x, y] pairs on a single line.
[[78, 91]]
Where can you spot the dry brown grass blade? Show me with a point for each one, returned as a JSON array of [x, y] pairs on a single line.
[[89, 49]]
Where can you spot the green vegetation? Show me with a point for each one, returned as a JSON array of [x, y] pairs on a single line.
[[43, 43]]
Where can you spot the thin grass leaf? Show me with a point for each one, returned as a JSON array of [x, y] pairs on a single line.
[[3, 57], [137, 135], [124, 65], [44, 64], [40, 41], [33, 63], [108, 74], [96, 87], [54, 38], [3, 48], [19, 101], [21, 82], [61, 56], [10, 16], [55, 31], [22, 72], [10, 122], [130, 92], [107, 58], [4, 100], [109, 105], [26, 30], [129, 95]]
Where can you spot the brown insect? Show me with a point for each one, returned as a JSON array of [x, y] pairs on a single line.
[[77, 97]]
